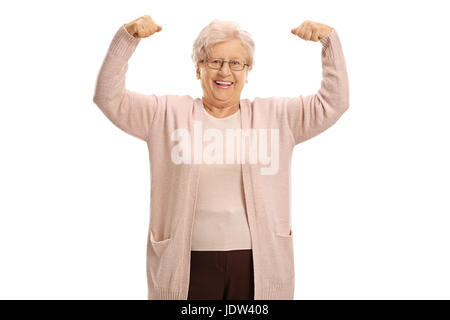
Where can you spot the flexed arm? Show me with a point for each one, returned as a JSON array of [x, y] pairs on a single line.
[[130, 111], [310, 115]]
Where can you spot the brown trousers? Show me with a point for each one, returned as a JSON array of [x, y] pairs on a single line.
[[221, 275]]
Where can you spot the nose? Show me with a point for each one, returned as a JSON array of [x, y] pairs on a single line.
[[225, 67]]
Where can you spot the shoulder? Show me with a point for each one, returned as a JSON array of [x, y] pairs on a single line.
[[173, 102], [260, 103], [180, 100], [275, 104]]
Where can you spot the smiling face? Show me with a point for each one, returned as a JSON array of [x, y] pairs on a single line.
[[212, 93]]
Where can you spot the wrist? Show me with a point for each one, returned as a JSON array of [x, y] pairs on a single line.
[[130, 29]]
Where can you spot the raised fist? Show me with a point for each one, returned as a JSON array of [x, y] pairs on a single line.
[[312, 31], [142, 27]]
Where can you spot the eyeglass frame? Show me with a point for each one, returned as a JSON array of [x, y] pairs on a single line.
[[223, 61]]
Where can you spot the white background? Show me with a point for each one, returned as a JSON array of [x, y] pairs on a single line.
[[370, 208]]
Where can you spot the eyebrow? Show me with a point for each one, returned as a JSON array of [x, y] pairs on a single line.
[[231, 58]]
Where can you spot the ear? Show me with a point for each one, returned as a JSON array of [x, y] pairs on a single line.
[[198, 72]]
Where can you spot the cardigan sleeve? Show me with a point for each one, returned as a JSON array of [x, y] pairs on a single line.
[[307, 116], [132, 112]]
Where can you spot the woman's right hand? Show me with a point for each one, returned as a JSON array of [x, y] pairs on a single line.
[[142, 27]]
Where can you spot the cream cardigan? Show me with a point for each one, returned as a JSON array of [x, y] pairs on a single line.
[[155, 118]]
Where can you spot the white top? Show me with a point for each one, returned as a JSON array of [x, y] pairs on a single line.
[[220, 221]]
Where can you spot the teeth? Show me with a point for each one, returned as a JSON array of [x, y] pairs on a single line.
[[221, 82]]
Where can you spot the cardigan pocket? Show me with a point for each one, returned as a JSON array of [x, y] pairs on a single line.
[[163, 264], [285, 248], [159, 246], [289, 236]]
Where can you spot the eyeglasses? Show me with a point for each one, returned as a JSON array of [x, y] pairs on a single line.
[[216, 63]]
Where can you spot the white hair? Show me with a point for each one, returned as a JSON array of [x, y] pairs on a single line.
[[218, 31]]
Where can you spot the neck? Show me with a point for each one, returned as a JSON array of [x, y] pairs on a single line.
[[220, 112]]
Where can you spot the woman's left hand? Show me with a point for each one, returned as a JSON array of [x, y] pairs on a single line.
[[312, 31]]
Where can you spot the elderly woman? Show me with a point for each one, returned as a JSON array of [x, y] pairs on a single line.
[[220, 223]]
